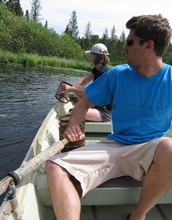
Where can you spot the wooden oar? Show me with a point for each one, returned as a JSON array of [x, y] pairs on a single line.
[[32, 164]]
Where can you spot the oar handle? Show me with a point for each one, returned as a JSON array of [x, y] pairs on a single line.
[[32, 164], [4, 184]]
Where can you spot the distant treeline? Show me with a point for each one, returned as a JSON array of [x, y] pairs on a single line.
[[21, 35]]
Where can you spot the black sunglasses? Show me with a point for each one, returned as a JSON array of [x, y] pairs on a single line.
[[130, 42]]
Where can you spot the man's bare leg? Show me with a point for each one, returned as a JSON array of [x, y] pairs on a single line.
[[65, 198], [157, 181]]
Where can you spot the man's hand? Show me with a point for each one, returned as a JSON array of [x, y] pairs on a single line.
[[74, 133]]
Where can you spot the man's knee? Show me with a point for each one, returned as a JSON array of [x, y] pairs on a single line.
[[165, 146], [51, 167], [164, 151]]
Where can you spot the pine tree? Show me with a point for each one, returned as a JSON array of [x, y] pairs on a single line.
[[15, 7], [27, 15], [105, 36], [35, 10], [87, 36], [113, 35], [88, 31], [46, 24], [72, 27]]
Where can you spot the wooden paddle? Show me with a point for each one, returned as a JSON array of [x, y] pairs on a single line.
[[32, 164]]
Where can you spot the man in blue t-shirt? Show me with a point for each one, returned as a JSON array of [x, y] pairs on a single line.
[[141, 97]]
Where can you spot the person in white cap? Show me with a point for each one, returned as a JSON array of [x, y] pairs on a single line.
[[99, 57]]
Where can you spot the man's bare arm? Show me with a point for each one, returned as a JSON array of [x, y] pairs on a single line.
[[73, 131]]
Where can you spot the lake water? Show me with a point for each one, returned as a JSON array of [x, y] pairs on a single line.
[[26, 96]]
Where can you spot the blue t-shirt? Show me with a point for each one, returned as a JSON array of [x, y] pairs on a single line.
[[142, 106]]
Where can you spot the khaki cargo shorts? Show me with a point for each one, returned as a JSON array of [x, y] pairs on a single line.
[[96, 163]]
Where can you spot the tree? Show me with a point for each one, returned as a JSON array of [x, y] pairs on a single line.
[[88, 31], [27, 15], [113, 35], [15, 7], [46, 24], [87, 36], [105, 35], [105, 38], [94, 39], [72, 27], [2, 1], [35, 10], [122, 37]]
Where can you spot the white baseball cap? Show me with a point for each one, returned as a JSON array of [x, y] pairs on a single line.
[[99, 49]]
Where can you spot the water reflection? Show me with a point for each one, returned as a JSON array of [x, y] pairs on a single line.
[[26, 96]]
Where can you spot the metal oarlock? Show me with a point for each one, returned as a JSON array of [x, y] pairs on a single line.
[[11, 196]]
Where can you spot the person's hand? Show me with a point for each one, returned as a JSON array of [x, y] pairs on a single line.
[[74, 133], [65, 88]]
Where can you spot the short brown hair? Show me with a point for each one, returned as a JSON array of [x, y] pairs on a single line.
[[152, 27]]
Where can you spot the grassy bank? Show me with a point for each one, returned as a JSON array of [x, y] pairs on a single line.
[[29, 60]]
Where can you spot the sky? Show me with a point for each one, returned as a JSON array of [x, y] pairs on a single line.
[[101, 14]]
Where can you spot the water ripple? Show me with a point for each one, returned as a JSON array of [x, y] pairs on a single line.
[[26, 96]]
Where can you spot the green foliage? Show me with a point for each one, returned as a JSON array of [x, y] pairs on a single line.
[[168, 55], [19, 35], [5, 36], [69, 48], [14, 6], [31, 60]]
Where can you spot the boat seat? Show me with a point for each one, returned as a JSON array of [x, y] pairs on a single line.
[[101, 127], [119, 191]]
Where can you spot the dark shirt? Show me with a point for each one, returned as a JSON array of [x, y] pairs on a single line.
[[97, 73], [104, 110]]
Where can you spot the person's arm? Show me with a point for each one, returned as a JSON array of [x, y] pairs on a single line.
[[78, 88], [83, 82], [73, 131]]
